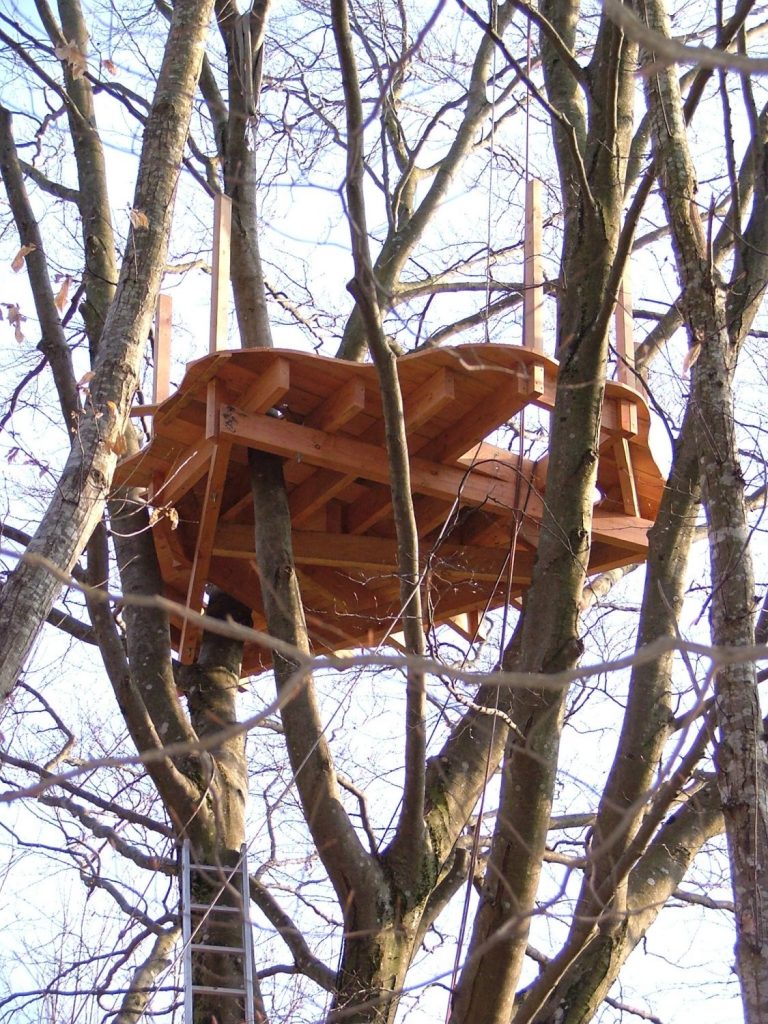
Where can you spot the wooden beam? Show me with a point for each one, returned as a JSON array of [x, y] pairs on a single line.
[[173, 558], [215, 397], [495, 409], [194, 395], [314, 492], [371, 508], [420, 405], [339, 408], [374, 554], [217, 473], [222, 227], [625, 334], [626, 476], [604, 557], [184, 473], [343, 454], [621, 531], [137, 411], [483, 460], [467, 625], [533, 278], [161, 382], [270, 388], [619, 418]]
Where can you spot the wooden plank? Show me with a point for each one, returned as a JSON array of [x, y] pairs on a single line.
[[184, 474], [626, 476], [496, 408], [622, 531], [138, 411], [619, 418], [339, 408], [533, 277], [343, 454], [426, 401], [215, 398], [270, 388], [372, 554], [222, 227], [219, 461], [189, 395], [625, 333], [161, 382], [316, 491]]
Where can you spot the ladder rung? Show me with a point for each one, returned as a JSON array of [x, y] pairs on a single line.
[[220, 869], [211, 990], [214, 908], [216, 949]]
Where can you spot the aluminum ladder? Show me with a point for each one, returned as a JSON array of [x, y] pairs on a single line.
[[237, 876]]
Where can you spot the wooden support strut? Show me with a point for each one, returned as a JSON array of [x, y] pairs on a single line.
[[533, 278], [358, 458], [222, 226], [625, 334], [161, 385], [221, 451], [217, 472], [419, 406], [161, 357]]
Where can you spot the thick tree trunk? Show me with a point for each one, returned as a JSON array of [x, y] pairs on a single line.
[[80, 496], [652, 882], [244, 38], [740, 755], [548, 636]]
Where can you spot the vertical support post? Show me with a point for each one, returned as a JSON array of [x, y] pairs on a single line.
[[222, 224], [186, 930], [198, 577], [625, 333], [533, 279], [161, 386]]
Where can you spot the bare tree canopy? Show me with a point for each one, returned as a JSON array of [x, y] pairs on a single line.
[[424, 569]]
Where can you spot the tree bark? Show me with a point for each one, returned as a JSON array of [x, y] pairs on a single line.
[[740, 755], [548, 634], [83, 488]]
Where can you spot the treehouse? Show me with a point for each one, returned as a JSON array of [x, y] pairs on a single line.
[[478, 506]]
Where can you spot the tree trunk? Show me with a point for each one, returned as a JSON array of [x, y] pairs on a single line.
[[740, 755], [80, 496]]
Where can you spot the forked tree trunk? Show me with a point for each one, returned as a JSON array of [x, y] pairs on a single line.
[[740, 753]]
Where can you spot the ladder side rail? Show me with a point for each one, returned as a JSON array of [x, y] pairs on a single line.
[[186, 930], [248, 961]]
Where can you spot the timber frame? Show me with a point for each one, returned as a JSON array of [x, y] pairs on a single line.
[[478, 506]]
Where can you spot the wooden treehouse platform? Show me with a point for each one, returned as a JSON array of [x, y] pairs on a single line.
[[323, 417]]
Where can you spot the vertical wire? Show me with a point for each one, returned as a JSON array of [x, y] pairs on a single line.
[[518, 513], [493, 24]]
